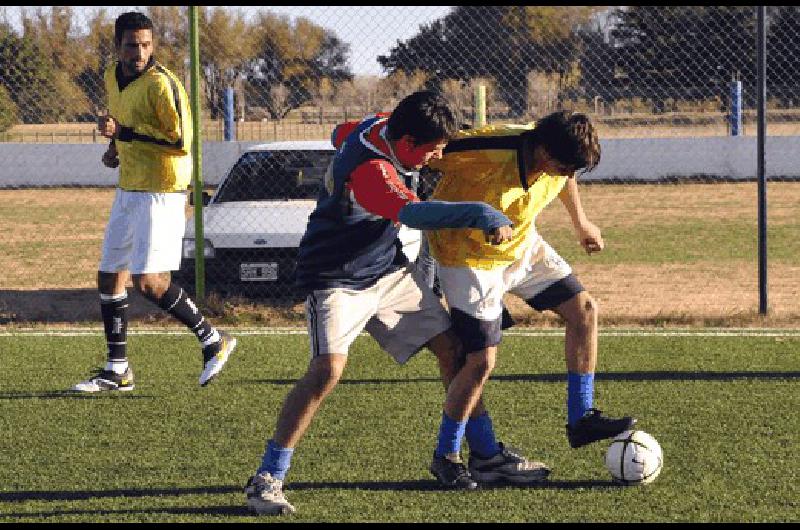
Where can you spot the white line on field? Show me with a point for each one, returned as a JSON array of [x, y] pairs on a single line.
[[555, 332]]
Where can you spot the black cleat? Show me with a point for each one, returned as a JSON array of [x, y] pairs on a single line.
[[593, 427], [452, 475], [509, 465]]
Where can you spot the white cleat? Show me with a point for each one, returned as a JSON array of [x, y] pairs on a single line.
[[265, 496], [105, 381], [214, 365]]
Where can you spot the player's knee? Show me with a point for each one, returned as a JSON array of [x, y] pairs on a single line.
[[151, 286], [447, 348], [111, 282], [590, 307], [587, 311], [481, 363], [323, 374]]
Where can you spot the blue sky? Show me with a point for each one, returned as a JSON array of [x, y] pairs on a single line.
[[369, 30]]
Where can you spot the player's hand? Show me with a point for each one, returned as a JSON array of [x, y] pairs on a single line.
[[499, 235], [110, 157], [590, 238], [107, 124]]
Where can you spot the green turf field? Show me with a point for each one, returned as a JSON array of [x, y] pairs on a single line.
[[724, 409]]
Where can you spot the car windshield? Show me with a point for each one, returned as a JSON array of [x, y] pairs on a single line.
[[275, 175]]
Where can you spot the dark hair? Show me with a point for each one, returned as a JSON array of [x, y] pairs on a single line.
[[570, 138], [425, 116], [130, 21]]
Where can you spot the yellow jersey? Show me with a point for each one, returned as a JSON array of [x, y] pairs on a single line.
[[155, 139], [485, 165]]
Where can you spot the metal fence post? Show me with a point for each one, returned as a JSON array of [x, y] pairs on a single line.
[[736, 108], [230, 124], [761, 46], [197, 153]]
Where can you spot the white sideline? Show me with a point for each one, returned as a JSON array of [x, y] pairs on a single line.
[[522, 332]]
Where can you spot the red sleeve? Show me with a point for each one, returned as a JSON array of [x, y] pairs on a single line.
[[379, 189]]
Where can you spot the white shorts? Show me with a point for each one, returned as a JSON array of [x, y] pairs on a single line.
[[400, 312], [479, 293], [144, 232]]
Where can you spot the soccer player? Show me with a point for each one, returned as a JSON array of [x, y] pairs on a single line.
[[356, 277], [518, 170], [149, 125]]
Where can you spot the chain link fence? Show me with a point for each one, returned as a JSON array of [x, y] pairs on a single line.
[[672, 91]]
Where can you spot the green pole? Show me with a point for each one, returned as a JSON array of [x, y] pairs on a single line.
[[480, 106], [197, 160]]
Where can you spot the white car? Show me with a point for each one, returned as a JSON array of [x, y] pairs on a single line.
[[253, 223]]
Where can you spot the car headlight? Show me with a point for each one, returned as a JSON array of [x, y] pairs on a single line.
[[189, 249]]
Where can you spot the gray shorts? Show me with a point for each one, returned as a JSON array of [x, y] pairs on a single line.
[[400, 312]]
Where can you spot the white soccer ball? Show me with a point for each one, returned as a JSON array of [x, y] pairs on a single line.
[[634, 457]]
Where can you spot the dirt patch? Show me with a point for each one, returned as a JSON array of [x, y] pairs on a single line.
[[680, 294], [50, 246]]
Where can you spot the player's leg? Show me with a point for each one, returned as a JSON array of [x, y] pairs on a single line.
[[550, 285], [585, 424], [264, 489], [216, 346], [478, 325], [157, 241], [410, 317], [463, 415], [334, 317], [112, 278], [450, 358], [490, 460]]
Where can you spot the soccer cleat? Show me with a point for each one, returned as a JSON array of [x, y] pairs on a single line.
[[215, 356], [507, 466], [106, 380], [265, 496], [452, 474], [593, 426]]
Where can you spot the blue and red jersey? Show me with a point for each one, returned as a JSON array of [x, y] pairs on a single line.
[[351, 237]]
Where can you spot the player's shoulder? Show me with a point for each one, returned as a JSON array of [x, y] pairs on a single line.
[[160, 74], [110, 73]]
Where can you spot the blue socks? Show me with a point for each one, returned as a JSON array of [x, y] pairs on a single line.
[[480, 436], [580, 395], [450, 434], [276, 460], [478, 431]]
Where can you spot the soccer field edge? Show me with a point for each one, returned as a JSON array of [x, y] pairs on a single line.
[[520, 332]]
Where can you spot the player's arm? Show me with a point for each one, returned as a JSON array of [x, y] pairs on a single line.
[[169, 110], [379, 190], [588, 233]]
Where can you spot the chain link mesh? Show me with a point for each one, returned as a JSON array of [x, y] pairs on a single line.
[[672, 91]]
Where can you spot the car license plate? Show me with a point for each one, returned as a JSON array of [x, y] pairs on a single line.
[[258, 272]]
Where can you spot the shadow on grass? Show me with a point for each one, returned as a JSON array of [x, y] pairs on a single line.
[[402, 485], [65, 305], [432, 485], [562, 377], [61, 394], [173, 510], [82, 495]]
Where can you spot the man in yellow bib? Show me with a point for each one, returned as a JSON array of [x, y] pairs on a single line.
[[517, 169], [150, 128]]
